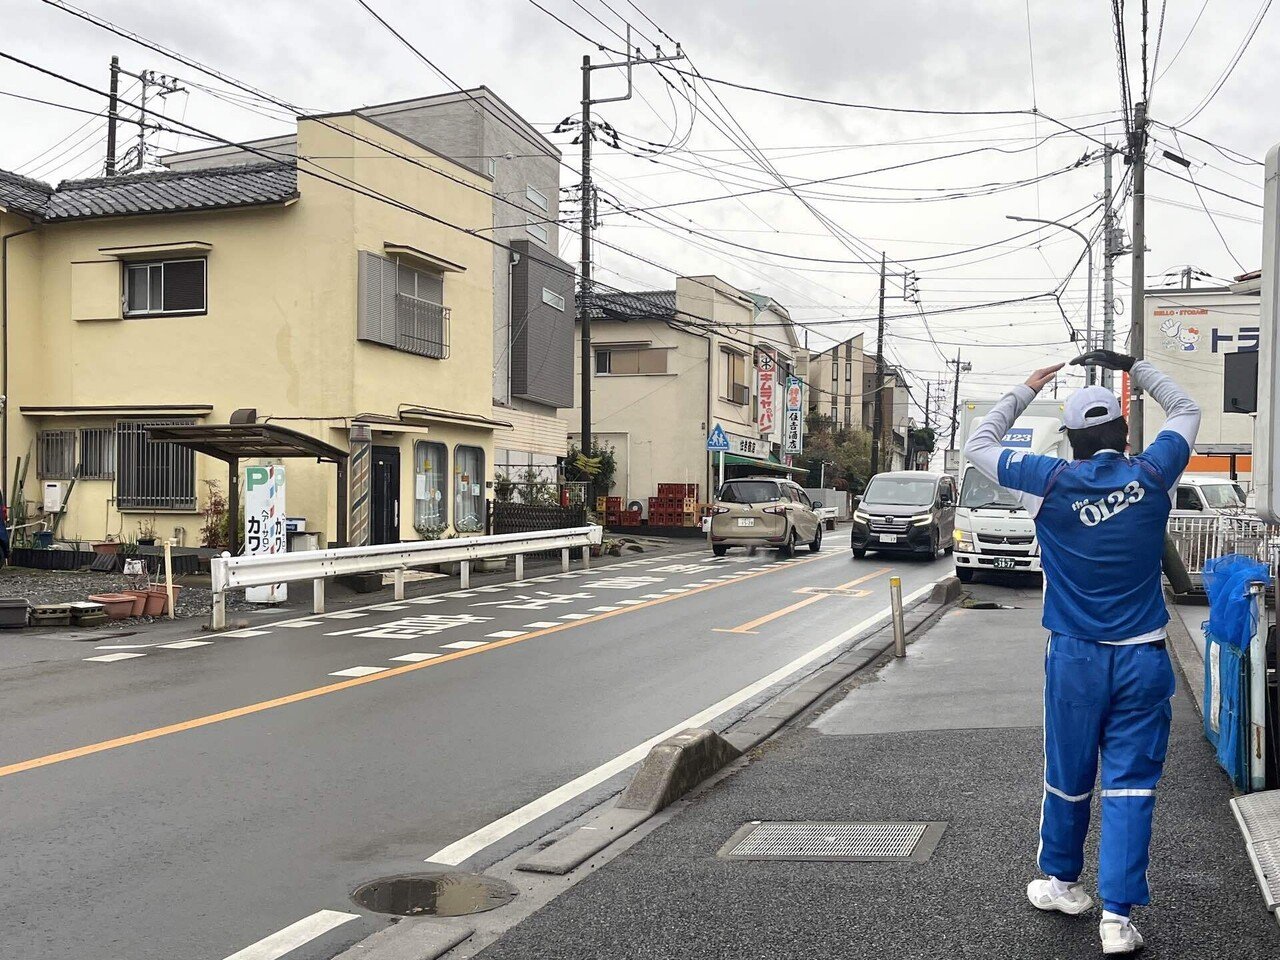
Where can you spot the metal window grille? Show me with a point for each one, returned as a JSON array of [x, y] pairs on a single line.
[[56, 454], [422, 327], [97, 453], [151, 474]]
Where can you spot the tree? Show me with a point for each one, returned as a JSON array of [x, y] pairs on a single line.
[[847, 453]]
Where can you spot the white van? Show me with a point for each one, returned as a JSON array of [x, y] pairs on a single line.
[[1205, 496]]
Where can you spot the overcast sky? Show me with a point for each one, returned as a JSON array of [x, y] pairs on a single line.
[[956, 55]]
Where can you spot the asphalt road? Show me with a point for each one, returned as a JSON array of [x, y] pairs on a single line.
[[190, 802]]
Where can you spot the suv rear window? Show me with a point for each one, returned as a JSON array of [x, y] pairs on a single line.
[[750, 491]]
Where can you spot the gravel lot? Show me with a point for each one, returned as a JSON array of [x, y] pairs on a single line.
[[64, 586]]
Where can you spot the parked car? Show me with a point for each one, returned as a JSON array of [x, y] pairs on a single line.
[[910, 511], [1199, 496], [763, 512]]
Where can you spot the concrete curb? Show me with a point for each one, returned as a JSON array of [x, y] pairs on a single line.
[[410, 940], [677, 765]]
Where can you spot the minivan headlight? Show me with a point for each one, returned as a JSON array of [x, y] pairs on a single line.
[[861, 517], [921, 519]]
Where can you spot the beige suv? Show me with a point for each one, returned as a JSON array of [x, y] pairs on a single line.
[[763, 512]]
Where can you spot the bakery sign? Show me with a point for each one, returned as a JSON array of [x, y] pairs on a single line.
[[766, 375]]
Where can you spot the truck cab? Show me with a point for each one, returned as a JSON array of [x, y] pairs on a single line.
[[994, 532]]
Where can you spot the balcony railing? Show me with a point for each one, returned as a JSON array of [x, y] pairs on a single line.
[[422, 327]]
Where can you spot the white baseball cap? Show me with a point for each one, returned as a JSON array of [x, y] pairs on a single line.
[[1089, 407]]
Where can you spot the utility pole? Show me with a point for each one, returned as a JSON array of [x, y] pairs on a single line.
[[955, 396], [1112, 247], [588, 221], [113, 117], [877, 420], [1137, 156]]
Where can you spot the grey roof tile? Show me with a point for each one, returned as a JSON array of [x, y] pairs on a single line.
[[637, 305], [22, 194]]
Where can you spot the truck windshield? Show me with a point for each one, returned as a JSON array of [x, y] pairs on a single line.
[[980, 491], [1221, 496], [900, 492]]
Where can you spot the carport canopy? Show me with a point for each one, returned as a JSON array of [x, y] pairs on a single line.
[[233, 442]]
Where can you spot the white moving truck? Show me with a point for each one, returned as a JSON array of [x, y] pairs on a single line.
[[994, 533]]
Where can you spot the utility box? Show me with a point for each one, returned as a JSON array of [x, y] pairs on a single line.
[[54, 491]]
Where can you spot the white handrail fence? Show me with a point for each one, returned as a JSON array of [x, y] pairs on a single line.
[[236, 573]]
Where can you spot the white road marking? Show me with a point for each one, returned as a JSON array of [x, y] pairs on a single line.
[[506, 634], [126, 646], [344, 615], [185, 644], [462, 593], [462, 644], [458, 851], [490, 589], [576, 616], [677, 590], [629, 603], [391, 606], [293, 936], [417, 657], [603, 609], [651, 596], [256, 633], [424, 601], [542, 624], [113, 657], [357, 671], [300, 623]]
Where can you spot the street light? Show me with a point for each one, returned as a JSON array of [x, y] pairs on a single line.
[[1088, 304]]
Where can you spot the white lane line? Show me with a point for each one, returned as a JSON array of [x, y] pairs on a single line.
[[425, 601], [629, 603], [253, 633], [473, 843], [462, 593], [677, 590], [113, 657], [576, 616], [541, 624], [300, 623], [125, 646], [357, 671], [391, 606], [490, 589], [603, 609], [506, 634], [293, 936], [344, 615], [651, 596], [416, 657], [463, 644], [185, 644]]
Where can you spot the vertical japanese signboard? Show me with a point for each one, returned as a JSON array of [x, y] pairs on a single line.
[[766, 373], [264, 524], [793, 417]]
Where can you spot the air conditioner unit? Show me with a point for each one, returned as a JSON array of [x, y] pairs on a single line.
[[741, 393], [54, 491]]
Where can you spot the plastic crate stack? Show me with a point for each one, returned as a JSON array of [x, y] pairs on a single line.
[[611, 509], [676, 505]]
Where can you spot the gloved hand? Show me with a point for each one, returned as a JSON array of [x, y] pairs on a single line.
[[1107, 359]]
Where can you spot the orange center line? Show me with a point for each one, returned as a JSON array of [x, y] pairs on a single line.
[[750, 626], [197, 722]]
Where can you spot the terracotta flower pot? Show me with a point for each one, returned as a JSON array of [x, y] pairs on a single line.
[[139, 601], [107, 547], [117, 605], [158, 601]]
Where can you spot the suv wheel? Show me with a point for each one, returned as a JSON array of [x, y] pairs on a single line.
[[816, 544], [933, 545], [719, 549], [789, 549]]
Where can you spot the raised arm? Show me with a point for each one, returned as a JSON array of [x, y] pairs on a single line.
[[983, 448], [1182, 414]]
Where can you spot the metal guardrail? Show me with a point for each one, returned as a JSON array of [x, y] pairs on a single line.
[[1199, 539], [236, 573]]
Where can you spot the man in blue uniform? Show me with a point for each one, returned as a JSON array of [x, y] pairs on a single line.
[[1100, 522]]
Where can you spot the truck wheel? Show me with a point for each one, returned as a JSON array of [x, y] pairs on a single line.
[[719, 549], [964, 575]]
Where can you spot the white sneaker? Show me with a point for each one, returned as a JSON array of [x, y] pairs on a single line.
[[1119, 937], [1073, 900]]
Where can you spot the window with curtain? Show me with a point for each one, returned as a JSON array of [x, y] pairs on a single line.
[[430, 506], [468, 489]]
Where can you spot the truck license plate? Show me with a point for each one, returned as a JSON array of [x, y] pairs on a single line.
[[1004, 563], [746, 521], [888, 538]]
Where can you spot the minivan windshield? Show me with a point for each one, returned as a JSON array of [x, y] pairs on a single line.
[[900, 491], [981, 491], [750, 491]]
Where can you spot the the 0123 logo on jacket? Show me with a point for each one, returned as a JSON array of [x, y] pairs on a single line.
[[1093, 512]]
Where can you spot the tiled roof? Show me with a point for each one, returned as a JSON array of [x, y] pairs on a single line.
[[22, 194], [642, 304], [166, 192]]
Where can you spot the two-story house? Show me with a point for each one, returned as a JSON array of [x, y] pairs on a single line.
[[347, 294]]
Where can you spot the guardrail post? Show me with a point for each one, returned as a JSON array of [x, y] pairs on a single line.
[[219, 619], [317, 595], [564, 560], [899, 628], [519, 567], [466, 574], [586, 558], [1258, 689], [399, 578]]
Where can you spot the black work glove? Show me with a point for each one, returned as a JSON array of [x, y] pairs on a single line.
[[1107, 359]]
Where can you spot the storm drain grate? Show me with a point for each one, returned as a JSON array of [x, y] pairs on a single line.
[[1258, 815], [887, 842]]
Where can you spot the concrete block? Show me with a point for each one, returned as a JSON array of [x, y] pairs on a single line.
[[674, 767], [946, 591], [582, 844]]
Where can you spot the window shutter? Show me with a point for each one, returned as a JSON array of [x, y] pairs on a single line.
[[376, 305], [183, 285]]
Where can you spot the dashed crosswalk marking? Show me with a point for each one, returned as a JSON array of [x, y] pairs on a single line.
[[113, 657], [576, 616], [463, 593], [462, 644], [185, 644], [357, 671], [416, 657], [603, 609], [391, 606], [506, 634], [490, 589], [677, 590], [250, 633], [629, 603], [344, 615], [299, 624], [540, 624], [651, 596], [427, 601]]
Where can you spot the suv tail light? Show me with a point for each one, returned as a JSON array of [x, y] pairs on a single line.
[[719, 510], [778, 509]]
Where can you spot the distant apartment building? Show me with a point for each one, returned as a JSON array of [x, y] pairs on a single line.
[[271, 288], [668, 366], [533, 289], [835, 384], [896, 420]]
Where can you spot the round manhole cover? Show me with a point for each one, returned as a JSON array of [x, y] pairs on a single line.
[[434, 894]]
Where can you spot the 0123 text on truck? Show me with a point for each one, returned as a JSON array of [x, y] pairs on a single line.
[[993, 532]]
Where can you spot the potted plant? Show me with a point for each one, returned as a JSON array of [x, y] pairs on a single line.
[[109, 545], [147, 532]]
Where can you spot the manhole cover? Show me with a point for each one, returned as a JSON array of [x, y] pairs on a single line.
[[882, 842], [434, 894]]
